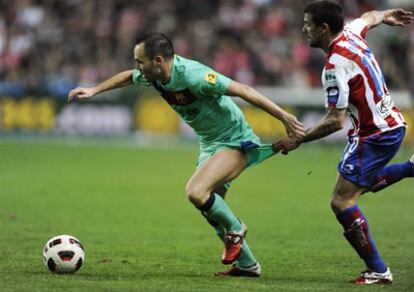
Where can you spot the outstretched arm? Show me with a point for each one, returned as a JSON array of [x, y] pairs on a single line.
[[119, 80], [393, 17], [332, 122], [293, 127]]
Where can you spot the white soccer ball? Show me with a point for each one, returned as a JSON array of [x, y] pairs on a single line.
[[63, 254]]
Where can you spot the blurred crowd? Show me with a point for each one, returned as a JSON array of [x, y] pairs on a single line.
[[50, 46]]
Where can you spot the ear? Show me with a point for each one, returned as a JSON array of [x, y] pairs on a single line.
[[325, 28]]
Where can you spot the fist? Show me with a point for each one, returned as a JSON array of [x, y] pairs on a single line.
[[285, 145], [80, 93]]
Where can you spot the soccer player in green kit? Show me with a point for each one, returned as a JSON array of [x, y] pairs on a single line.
[[227, 143]]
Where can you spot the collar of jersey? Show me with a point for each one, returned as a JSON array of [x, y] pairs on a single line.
[[333, 43]]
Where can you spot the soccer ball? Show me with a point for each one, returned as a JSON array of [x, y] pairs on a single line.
[[63, 254]]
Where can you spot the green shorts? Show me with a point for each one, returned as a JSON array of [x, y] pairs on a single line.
[[255, 152]]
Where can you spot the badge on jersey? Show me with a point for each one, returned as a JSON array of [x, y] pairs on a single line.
[[211, 77], [332, 90], [180, 98], [330, 78], [333, 96]]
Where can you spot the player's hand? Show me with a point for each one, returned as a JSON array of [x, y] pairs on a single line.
[[286, 145], [81, 93], [398, 17], [294, 128]]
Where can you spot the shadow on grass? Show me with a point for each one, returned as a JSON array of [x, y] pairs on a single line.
[[175, 277], [114, 276]]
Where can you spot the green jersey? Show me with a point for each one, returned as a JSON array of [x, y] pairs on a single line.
[[197, 94]]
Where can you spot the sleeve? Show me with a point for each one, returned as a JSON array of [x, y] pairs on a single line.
[[206, 82], [335, 86], [357, 26], [137, 78]]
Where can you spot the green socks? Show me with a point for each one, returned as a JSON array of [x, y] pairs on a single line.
[[216, 210]]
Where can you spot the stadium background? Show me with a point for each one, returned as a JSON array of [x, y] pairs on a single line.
[[49, 47]]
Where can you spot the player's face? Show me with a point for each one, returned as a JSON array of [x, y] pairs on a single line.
[[151, 69], [313, 33]]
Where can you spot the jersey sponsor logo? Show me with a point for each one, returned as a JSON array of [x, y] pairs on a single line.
[[211, 77], [384, 106], [333, 95]]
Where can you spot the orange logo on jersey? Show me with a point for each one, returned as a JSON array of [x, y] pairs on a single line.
[[211, 77]]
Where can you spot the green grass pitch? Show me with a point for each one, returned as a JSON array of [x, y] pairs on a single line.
[[127, 206]]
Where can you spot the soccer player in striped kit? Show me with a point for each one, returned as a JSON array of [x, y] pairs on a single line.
[[353, 84]]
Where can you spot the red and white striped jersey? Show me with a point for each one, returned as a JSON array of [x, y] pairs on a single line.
[[353, 80]]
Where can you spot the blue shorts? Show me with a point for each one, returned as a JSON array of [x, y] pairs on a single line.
[[364, 157]]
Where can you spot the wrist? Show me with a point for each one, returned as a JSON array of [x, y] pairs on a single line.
[[299, 140], [383, 15], [306, 137], [285, 117], [94, 91]]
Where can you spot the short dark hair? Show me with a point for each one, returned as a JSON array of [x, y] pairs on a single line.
[[328, 12], [156, 44]]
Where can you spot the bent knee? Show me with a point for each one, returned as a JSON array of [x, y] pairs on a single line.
[[196, 194], [190, 191], [339, 203], [335, 206]]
